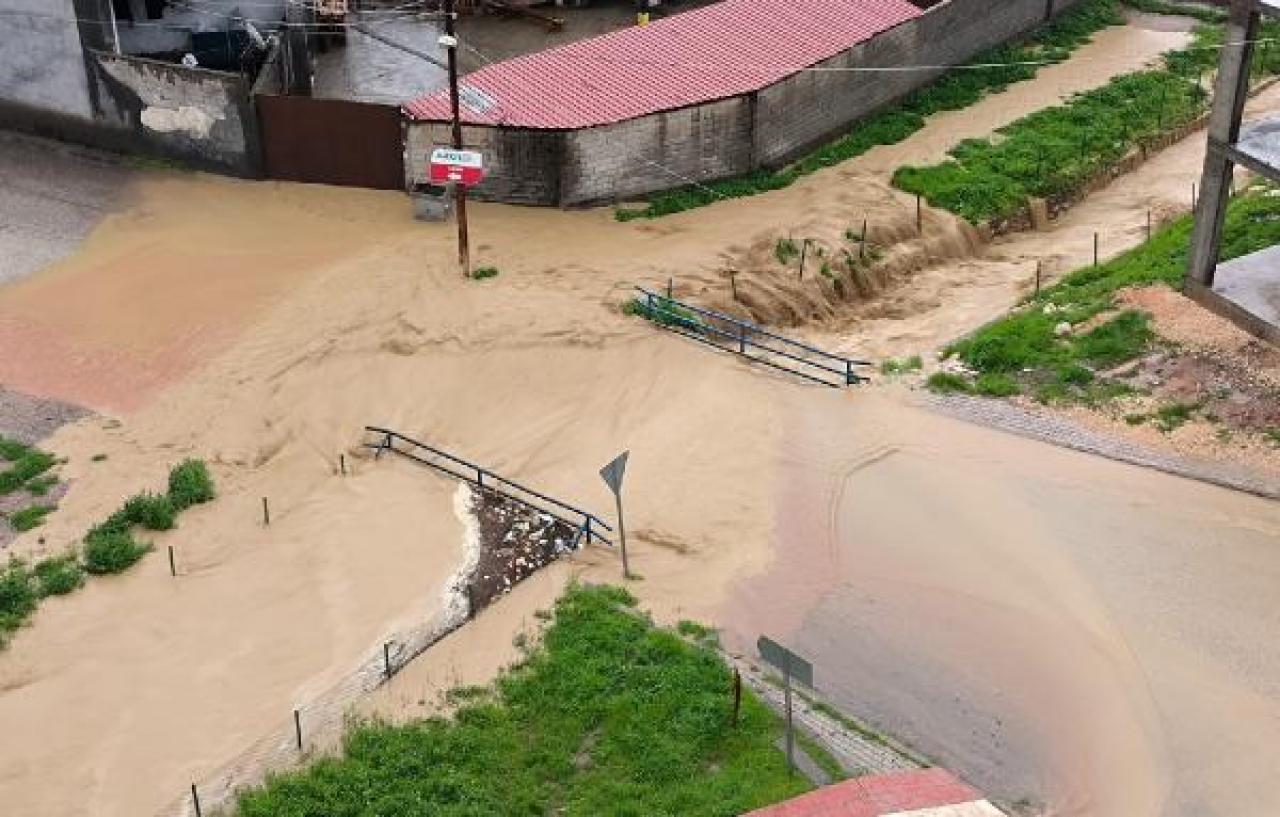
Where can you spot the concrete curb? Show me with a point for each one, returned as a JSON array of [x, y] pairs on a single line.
[[1045, 427]]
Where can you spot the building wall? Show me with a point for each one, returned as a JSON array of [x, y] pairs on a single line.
[[521, 166], [730, 137], [199, 116], [657, 152], [41, 62], [810, 108]]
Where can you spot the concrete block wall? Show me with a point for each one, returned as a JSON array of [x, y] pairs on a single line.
[[199, 116], [811, 108], [521, 166], [657, 152]]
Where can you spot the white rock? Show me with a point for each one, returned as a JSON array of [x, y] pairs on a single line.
[[1062, 330]]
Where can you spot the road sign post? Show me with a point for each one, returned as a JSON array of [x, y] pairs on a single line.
[[612, 475], [792, 666]]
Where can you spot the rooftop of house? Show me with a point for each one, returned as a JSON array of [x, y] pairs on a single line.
[[720, 51]]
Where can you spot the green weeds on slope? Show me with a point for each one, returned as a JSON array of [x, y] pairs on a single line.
[[109, 547], [610, 715], [1025, 349], [954, 91], [1056, 152]]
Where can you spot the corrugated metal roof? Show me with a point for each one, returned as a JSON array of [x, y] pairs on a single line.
[[722, 50]]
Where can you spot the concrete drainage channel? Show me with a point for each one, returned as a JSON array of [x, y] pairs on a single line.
[[507, 538]]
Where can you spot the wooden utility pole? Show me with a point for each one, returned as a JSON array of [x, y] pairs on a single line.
[[450, 42]]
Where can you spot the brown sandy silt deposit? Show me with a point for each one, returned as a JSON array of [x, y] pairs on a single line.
[[1053, 626]]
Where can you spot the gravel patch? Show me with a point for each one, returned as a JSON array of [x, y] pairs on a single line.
[[515, 541], [31, 419], [1047, 427]]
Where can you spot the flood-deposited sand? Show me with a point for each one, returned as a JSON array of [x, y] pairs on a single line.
[[339, 311]]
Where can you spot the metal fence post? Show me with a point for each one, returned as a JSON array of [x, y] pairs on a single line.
[[742, 338], [297, 728], [386, 658], [195, 800]]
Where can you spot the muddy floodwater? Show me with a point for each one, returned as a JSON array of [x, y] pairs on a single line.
[[1058, 628]]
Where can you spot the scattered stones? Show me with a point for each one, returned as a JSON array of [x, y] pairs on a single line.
[[515, 542]]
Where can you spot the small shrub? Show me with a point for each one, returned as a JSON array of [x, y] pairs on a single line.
[[98, 457], [18, 597], [29, 517], [190, 484], [996, 384], [481, 273], [58, 575], [786, 250], [1073, 374], [151, 511], [664, 311], [1135, 419], [948, 383], [108, 551], [1173, 416]]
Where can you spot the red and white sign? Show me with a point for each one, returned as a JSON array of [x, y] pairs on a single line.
[[449, 166]]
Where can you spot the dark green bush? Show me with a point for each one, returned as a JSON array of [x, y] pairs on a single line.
[[18, 597], [190, 484], [112, 551], [151, 511], [12, 450], [996, 385], [58, 575]]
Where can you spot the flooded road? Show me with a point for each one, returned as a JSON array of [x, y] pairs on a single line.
[[1055, 627]]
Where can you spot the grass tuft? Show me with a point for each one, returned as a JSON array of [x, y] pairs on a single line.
[[481, 273], [948, 383], [30, 517]]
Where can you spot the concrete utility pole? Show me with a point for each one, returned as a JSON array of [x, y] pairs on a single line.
[[450, 42], [1229, 96]]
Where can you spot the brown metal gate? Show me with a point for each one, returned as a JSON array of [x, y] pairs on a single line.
[[331, 141]]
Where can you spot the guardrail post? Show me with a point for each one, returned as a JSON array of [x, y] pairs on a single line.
[[742, 338], [587, 527], [848, 373], [195, 800], [480, 477]]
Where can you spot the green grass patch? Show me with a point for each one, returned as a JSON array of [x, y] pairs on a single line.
[[12, 450], [27, 466], [30, 517], [820, 756], [1025, 346], [481, 273], [956, 90], [904, 365], [59, 575], [948, 383], [1053, 153], [19, 596], [996, 384], [609, 715]]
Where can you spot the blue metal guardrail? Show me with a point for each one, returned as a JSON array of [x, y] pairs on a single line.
[[732, 334], [588, 524]]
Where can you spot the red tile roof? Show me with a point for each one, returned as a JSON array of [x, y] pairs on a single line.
[[879, 795], [722, 50]]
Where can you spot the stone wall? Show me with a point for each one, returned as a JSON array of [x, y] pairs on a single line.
[[199, 116], [730, 137]]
